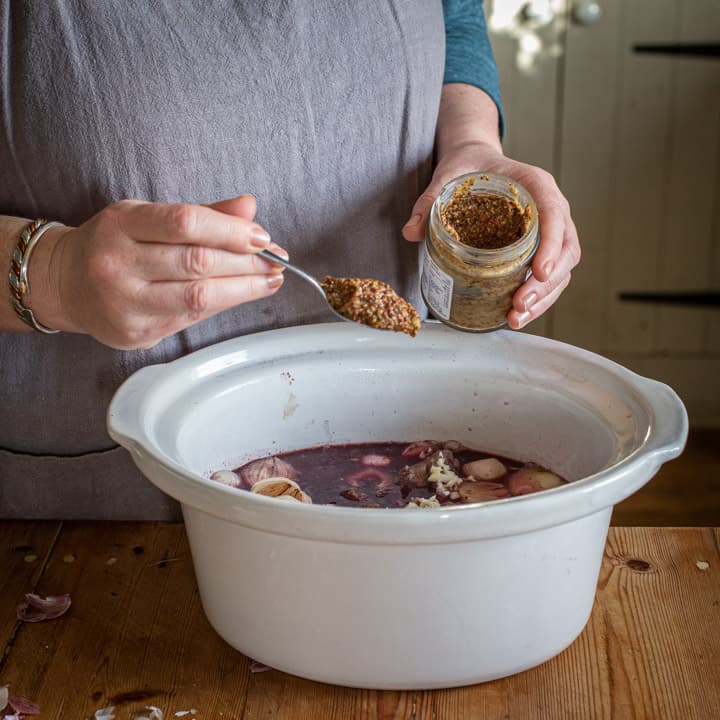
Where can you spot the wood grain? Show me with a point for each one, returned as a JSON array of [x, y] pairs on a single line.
[[690, 231], [136, 636], [641, 165], [24, 550]]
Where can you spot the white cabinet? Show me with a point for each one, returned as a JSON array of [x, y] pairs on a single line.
[[633, 139]]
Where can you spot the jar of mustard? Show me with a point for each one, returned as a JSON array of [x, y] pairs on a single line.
[[481, 236]]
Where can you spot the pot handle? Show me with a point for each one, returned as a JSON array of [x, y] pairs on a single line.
[[669, 426], [125, 414]]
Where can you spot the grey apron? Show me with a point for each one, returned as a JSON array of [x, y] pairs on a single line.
[[325, 111]]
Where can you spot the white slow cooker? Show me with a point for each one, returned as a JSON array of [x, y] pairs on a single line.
[[396, 598]]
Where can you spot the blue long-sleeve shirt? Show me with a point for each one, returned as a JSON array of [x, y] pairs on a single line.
[[468, 53]]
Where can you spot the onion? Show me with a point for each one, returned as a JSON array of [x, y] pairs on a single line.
[[485, 469], [532, 478]]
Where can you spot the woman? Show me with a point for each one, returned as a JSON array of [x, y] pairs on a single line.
[[154, 133]]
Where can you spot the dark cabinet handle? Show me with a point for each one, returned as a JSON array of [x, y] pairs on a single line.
[[700, 298], [706, 50]]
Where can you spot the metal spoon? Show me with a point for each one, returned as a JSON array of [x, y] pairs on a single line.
[[272, 257]]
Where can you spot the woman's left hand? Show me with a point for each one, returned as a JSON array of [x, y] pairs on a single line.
[[559, 249]]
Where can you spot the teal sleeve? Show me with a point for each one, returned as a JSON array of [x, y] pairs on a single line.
[[468, 53]]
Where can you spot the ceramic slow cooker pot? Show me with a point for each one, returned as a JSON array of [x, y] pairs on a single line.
[[396, 598]]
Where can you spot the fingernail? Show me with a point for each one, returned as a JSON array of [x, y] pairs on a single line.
[[414, 220], [529, 301], [522, 319], [259, 238], [274, 281], [548, 267], [279, 251]]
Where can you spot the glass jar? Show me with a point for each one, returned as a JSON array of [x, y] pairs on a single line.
[[471, 288]]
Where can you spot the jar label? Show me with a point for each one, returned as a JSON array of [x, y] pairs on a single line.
[[437, 287]]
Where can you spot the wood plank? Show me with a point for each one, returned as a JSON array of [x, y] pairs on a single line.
[[689, 237], [711, 339], [24, 550], [630, 661], [136, 635], [594, 56], [642, 167], [647, 648]]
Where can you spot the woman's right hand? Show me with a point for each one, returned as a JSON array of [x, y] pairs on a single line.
[[137, 272]]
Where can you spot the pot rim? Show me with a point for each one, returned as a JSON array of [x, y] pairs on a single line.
[[664, 440]]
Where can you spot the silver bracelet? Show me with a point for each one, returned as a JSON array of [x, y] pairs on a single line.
[[18, 276]]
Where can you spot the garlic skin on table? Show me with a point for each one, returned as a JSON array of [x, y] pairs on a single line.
[[282, 488]]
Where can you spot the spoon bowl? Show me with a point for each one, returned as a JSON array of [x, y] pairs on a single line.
[[272, 257]]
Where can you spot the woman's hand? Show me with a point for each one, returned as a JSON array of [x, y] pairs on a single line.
[[462, 149], [137, 271]]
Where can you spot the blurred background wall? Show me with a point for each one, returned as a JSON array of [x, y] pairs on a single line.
[[620, 100]]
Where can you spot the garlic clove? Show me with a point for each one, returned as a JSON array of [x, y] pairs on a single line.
[[264, 468], [485, 469], [227, 477], [481, 491]]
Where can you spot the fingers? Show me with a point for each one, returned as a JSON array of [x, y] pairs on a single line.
[[160, 309], [414, 228], [520, 318], [184, 223], [559, 249], [557, 255], [165, 262], [137, 272], [190, 302], [244, 206]]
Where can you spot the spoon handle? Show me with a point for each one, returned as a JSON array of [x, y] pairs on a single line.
[[272, 257]]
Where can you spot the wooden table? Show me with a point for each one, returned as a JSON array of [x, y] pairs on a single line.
[[136, 635]]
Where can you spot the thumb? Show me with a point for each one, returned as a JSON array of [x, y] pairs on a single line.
[[414, 228], [243, 206]]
